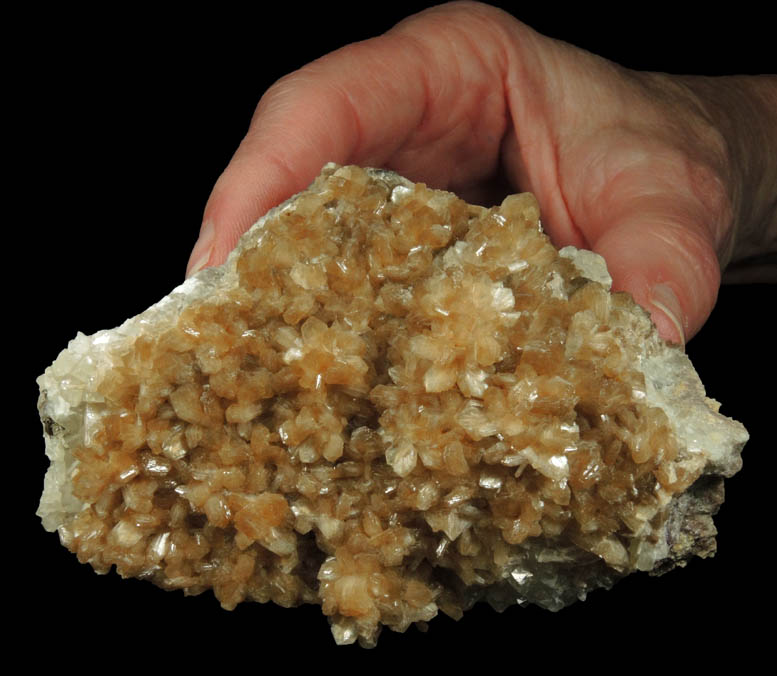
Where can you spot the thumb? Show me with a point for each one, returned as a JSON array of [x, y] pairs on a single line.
[[669, 266]]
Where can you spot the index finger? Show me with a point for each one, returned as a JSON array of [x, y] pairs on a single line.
[[421, 99]]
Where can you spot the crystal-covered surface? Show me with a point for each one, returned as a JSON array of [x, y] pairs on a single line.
[[390, 403]]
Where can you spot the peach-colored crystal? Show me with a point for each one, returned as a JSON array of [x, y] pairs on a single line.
[[401, 398]]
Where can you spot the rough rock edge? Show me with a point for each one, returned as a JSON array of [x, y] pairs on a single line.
[[672, 384]]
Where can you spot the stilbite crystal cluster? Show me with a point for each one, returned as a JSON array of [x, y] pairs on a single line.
[[390, 403]]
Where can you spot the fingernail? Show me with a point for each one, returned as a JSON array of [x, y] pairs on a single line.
[[202, 249], [663, 298]]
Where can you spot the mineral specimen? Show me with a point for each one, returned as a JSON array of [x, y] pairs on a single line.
[[387, 402]]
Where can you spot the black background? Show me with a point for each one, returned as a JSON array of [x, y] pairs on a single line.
[[128, 119]]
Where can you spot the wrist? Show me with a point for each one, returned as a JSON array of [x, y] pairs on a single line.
[[743, 109]]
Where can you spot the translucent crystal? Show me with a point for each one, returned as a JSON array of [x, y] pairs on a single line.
[[388, 402]]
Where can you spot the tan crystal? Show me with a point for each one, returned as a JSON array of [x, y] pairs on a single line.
[[388, 402]]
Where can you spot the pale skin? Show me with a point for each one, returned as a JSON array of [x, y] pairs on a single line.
[[669, 178]]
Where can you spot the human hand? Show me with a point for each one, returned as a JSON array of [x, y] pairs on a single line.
[[466, 98]]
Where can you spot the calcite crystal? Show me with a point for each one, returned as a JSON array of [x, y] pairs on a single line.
[[390, 403]]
